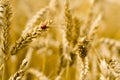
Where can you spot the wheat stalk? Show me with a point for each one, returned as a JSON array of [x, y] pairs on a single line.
[[5, 15]]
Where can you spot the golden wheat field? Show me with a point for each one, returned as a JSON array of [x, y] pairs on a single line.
[[59, 39]]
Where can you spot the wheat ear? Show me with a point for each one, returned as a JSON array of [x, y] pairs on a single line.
[[5, 16], [20, 73], [24, 40]]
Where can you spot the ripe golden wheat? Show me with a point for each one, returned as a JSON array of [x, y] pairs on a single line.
[[58, 42]]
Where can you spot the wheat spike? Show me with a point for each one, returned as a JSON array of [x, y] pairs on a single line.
[[5, 16], [24, 40], [68, 22], [20, 73]]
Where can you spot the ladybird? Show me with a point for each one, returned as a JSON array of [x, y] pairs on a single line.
[[44, 26]]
